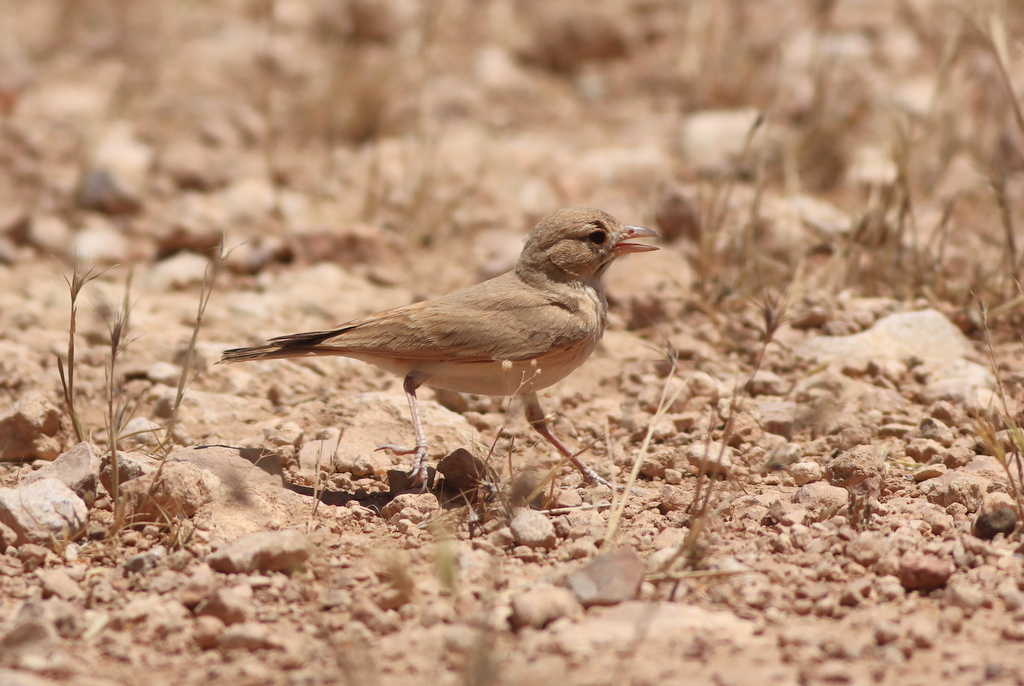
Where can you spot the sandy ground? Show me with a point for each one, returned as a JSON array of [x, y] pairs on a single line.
[[814, 383]]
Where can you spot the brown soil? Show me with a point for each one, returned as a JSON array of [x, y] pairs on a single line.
[[358, 155]]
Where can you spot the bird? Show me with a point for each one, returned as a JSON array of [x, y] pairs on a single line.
[[512, 335]]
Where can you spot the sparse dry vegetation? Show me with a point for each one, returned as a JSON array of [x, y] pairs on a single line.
[[808, 401]]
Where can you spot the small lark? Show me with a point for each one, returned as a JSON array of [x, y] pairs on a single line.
[[512, 335]]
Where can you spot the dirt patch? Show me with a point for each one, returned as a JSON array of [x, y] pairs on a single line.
[[814, 386]]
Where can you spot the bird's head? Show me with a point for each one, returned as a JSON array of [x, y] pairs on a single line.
[[579, 243]]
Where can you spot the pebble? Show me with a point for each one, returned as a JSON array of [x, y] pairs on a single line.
[[77, 468], [820, 499], [207, 631], [533, 529], [415, 507], [99, 243], [714, 459], [43, 512], [923, 571], [609, 579], [57, 582], [30, 429], [463, 471], [542, 604], [250, 636], [268, 551], [179, 488], [230, 605], [854, 466], [929, 471], [805, 472], [1001, 521]]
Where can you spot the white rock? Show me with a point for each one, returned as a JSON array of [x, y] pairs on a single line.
[[43, 512], [927, 335]]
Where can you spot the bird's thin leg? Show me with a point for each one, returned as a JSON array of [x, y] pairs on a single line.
[[419, 462], [535, 415]]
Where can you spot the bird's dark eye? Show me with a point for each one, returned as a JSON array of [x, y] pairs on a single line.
[[597, 237]]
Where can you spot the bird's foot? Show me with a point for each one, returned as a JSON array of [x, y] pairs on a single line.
[[418, 473]]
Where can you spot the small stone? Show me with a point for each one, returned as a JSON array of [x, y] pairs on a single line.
[[200, 585], [865, 549], [805, 472], [923, 449], [787, 514], [141, 431], [715, 459], [922, 631], [99, 242], [207, 632], [164, 373], [934, 429], [250, 636], [677, 215], [230, 605], [77, 468], [182, 270], [29, 429], [821, 500], [175, 488], [929, 471], [957, 486], [130, 465], [714, 139], [968, 597], [1001, 521], [117, 173], [778, 417], [765, 382], [676, 498], [44, 512], [923, 571], [267, 551], [542, 604], [57, 582], [886, 632], [532, 528], [854, 466], [416, 507], [288, 433], [608, 579], [463, 471]]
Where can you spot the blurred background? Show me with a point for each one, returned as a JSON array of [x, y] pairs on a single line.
[[821, 145]]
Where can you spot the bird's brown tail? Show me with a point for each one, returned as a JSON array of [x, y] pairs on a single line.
[[295, 345]]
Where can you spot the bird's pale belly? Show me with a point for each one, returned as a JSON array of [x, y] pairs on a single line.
[[490, 377]]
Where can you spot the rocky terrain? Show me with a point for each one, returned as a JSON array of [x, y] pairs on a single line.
[[811, 392]]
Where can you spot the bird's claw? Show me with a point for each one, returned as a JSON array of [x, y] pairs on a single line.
[[418, 473]]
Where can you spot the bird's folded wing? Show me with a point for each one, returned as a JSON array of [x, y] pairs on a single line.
[[495, 320]]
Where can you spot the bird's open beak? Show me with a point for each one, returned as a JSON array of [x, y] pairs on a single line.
[[624, 248]]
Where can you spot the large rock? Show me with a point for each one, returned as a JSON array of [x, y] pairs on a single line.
[[371, 420], [78, 469], [44, 512], [29, 429], [175, 489], [927, 335], [957, 486], [268, 551], [249, 497]]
